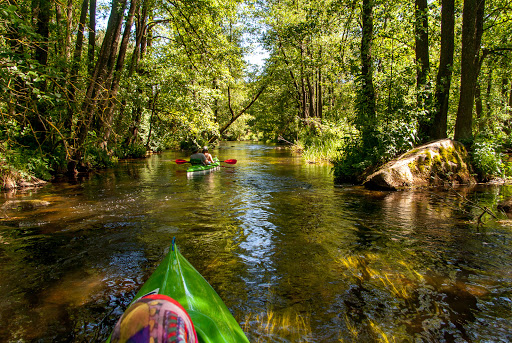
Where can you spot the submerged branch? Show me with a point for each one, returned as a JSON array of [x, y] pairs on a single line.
[[472, 203]]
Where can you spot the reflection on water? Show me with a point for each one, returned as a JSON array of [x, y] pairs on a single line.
[[294, 257]]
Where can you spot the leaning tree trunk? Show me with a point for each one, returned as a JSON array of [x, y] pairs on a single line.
[[472, 29], [42, 15], [140, 31], [444, 74], [114, 88], [77, 55], [298, 98], [98, 83], [16, 96]]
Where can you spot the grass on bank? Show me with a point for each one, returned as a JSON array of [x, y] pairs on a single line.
[[351, 157]]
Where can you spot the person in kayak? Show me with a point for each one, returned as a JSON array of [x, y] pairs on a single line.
[[208, 156], [198, 157]]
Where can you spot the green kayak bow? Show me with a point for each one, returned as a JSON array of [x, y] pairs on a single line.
[[200, 167], [177, 278]]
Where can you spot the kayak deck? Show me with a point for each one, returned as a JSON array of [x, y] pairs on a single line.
[[201, 167], [177, 278]]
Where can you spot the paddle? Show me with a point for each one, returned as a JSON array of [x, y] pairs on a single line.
[[178, 161]]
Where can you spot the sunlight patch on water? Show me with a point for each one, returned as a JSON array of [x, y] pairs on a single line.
[[74, 289], [289, 325]]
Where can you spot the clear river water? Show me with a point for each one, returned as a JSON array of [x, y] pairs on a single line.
[[294, 257]]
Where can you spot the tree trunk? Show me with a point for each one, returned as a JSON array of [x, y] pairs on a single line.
[[319, 105], [98, 83], [152, 105], [366, 120], [472, 29], [60, 42], [14, 41], [69, 28], [504, 87], [108, 52], [292, 75], [140, 32], [114, 88], [444, 74], [77, 55], [510, 101], [41, 10], [422, 66], [92, 36], [479, 107], [43, 29], [488, 101], [421, 39], [235, 117], [311, 96], [303, 86]]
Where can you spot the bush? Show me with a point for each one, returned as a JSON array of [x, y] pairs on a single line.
[[323, 147], [25, 164], [98, 158], [130, 151], [352, 161], [356, 158], [488, 160], [320, 141]]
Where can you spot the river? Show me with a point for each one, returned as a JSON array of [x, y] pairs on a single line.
[[294, 257]]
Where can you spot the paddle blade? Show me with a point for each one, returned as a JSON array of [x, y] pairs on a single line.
[[229, 161], [178, 161]]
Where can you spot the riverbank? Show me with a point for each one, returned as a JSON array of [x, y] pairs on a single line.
[[11, 179]]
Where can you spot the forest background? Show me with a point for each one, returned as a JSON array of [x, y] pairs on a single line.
[[352, 82]]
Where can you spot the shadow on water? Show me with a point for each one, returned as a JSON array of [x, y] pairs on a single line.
[[295, 258]]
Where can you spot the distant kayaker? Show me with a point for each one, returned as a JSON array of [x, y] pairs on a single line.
[[198, 157], [208, 156]]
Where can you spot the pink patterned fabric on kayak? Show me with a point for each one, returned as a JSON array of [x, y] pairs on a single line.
[[155, 318]]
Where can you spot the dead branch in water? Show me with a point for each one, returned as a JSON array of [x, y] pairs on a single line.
[[484, 209], [280, 138]]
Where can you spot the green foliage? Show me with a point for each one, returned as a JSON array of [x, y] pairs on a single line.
[[324, 147], [488, 159], [275, 115], [352, 160], [191, 81], [320, 142], [23, 163], [98, 158], [131, 151], [356, 159]]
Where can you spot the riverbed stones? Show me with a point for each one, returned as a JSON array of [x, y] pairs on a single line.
[[24, 205], [433, 164]]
